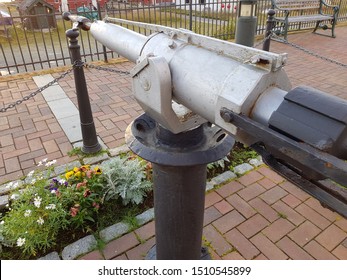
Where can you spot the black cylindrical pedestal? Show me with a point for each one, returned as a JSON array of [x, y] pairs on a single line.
[[179, 196], [179, 179]]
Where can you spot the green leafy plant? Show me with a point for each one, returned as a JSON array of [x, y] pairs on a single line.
[[35, 217], [80, 154], [43, 207], [126, 178], [240, 154], [83, 195], [219, 163]]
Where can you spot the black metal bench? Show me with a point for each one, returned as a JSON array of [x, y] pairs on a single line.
[[301, 11]]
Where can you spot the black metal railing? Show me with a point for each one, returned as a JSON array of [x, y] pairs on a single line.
[[26, 45]]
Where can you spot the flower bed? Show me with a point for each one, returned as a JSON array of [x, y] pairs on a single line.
[[46, 211]]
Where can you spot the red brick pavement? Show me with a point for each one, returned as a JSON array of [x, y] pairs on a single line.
[[30, 131], [258, 216], [271, 227]]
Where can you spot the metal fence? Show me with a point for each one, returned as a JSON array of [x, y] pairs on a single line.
[[25, 47]]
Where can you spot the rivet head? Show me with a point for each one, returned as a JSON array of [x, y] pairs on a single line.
[[226, 116]]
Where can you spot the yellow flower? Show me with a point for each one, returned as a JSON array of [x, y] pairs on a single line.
[[97, 170], [78, 174], [76, 169], [69, 174]]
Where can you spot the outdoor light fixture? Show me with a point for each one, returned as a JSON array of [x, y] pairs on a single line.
[[246, 22]]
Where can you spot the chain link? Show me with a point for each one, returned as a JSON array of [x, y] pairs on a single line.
[[106, 69], [76, 64], [33, 94], [281, 40], [262, 41]]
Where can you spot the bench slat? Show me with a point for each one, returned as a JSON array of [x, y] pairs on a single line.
[[306, 18], [300, 8]]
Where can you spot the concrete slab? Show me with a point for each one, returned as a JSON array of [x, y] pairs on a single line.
[[54, 92], [63, 108], [42, 80], [72, 127]]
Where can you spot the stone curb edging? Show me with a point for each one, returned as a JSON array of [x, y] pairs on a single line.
[[89, 243], [6, 188]]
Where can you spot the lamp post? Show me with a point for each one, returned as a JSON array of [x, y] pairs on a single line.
[[246, 22]]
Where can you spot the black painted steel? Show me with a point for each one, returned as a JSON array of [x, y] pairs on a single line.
[[312, 162], [270, 23], [202, 145], [313, 117], [328, 197], [179, 196], [152, 254], [90, 140], [179, 178]]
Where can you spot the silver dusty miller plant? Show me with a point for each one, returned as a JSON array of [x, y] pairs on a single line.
[[126, 179]]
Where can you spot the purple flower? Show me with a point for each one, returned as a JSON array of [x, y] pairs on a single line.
[[53, 189]]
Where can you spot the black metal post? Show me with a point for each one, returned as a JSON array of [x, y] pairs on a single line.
[[179, 196], [190, 15], [90, 140], [269, 26], [179, 178], [103, 47]]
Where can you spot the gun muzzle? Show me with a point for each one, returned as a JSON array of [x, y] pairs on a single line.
[[78, 21]]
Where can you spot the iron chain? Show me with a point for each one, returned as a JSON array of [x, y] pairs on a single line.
[[106, 69], [279, 39], [33, 94], [76, 64], [262, 41]]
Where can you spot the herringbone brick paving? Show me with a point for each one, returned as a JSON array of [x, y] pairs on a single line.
[[258, 216]]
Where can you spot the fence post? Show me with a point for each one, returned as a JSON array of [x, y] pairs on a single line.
[[190, 15], [269, 26], [103, 47], [90, 140]]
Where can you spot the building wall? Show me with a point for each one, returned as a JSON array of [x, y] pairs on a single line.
[[65, 5]]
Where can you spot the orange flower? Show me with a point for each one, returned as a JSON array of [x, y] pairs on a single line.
[[81, 184], [85, 168], [73, 211], [86, 193], [89, 174]]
